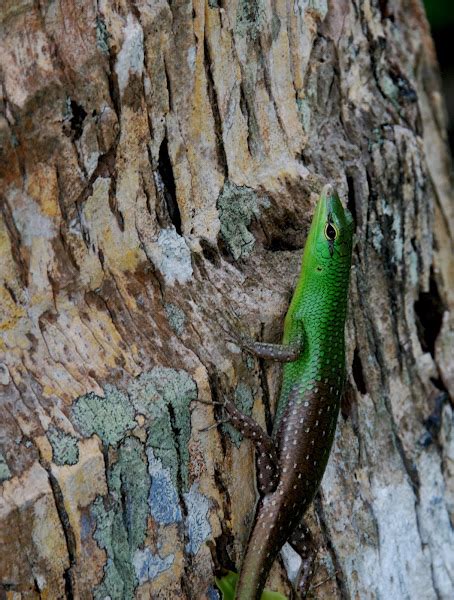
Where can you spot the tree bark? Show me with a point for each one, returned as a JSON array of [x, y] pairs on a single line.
[[160, 162]]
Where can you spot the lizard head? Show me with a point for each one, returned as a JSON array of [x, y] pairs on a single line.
[[331, 232]]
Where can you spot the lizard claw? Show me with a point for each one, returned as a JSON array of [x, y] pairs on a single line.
[[214, 426], [209, 402], [220, 421], [231, 325]]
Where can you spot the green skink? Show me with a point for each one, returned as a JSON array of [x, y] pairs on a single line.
[[291, 461]]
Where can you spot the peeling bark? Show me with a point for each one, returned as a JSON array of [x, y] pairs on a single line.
[[160, 162]]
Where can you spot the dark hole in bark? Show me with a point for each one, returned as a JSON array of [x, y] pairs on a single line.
[[245, 112], [281, 234], [166, 172], [77, 119], [210, 252], [351, 202], [433, 421], [223, 544], [347, 401], [211, 89], [358, 374], [67, 532], [224, 250], [386, 11], [429, 316], [279, 244]]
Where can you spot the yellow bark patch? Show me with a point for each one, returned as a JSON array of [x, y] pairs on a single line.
[[10, 312], [43, 188]]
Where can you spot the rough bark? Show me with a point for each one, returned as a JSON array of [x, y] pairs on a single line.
[[159, 166]]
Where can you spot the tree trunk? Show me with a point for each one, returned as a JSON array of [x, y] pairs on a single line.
[[160, 162]]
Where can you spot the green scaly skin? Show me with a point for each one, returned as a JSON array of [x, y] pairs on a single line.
[[309, 402], [316, 316]]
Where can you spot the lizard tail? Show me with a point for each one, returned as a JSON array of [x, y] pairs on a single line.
[[227, 585]]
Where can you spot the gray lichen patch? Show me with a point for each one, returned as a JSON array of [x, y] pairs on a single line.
[[121, 520], [131, 55], [109, 417], [65, 449], [197, 523], [176, 317], [173, 257], [5, 473], [164, 395], [244, 401], [163, 499], [149, 565], [237, 206]]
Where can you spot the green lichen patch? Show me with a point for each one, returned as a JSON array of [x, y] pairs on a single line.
[[304, 113], [65, 449], [164, 395], [176, 317], [102, 36], [237, 206], [244, 401], [250, 17], [109, 417], [5, 473], [121, 520], [275, 27]]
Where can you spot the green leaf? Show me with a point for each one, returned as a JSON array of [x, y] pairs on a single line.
[[227, 585]]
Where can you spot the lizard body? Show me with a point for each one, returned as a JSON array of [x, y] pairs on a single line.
[[291, 462]]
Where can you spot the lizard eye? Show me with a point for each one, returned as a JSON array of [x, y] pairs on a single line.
[[330, 232]]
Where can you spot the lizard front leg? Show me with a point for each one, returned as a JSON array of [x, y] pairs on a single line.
[[277, 352]]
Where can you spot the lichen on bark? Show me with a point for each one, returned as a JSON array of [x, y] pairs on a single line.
[[159, 165]]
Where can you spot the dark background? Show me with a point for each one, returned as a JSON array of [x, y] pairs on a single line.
[[441, 17]]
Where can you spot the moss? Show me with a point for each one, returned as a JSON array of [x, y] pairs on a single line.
[[109, 417], [164, 395], [175, 317], [237, 206], [121, 520], [244, 401], [249, 18], [5, 473], [65, 450]]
